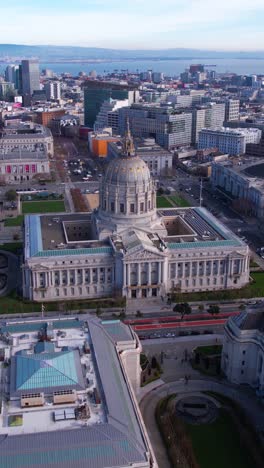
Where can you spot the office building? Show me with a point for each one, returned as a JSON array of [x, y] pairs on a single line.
[[241, 184], [243, 348], [232, 110], [127, 246], [208, 116], [227, 140], [30, 77], [97, 92], [53, 90], [73, 388], [7, 90], [170, 128], [10, 73], [108, 116]]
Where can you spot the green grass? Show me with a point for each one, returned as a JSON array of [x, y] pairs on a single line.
[[163, 202], [179, 201], [218, 445], [18, 221], [209, 350], [254, 289], [13, 304], [11, 246], [15, 420], [45, 206]]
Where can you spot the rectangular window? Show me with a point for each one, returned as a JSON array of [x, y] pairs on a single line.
[[122, 208], [132, 208]]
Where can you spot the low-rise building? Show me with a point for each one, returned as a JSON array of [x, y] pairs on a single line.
[[26, 137], [241, 182], [228, 140], [243, 348], [72, 395]]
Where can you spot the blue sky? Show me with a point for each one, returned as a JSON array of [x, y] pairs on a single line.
[[144, 24]]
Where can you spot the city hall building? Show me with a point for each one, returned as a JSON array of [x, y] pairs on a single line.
[[128, 247]]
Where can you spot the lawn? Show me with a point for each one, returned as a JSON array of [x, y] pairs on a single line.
[[15, 420], [18, 221], [11, 246], [43, 207], [218, 445], [209, 350], [254, 289], [13, 304], [179, 201], [163, 202]]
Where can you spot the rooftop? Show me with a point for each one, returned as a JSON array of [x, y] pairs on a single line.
[[113, 435], [51, 235]]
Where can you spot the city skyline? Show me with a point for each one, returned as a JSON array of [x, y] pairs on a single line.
[[235, 25]]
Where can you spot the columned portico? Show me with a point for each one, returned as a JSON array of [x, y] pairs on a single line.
[[142, 279]]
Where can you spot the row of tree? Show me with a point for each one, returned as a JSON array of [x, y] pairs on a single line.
[[185, 309]]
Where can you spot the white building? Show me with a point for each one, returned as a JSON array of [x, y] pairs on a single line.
[[228, 140], [129, 247], [207, 116], [238, 184], [158, 159], [232, 109], [26, 137], [76, 394], [53, 90], [243, 348], [108, 116]]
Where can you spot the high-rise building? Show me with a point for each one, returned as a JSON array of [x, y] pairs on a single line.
[[30, 77], [108, 115], [208, 116], [10, 73], [169, 127], [53, 90], [97, 92], [232, 109], [7, 90]]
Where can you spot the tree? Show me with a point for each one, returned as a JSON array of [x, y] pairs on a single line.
[[201, 307], [213, 309], [160, 191], [138, 313], [183, 309], [154, 363], [11, 195]]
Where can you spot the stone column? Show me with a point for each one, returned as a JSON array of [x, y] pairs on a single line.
[[128, 274], [149, 273], [124, 275], [139, 274]]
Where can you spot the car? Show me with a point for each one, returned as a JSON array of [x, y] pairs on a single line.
[[252, 302], [96, 191]]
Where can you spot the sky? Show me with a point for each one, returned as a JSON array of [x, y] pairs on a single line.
[[135, 24]]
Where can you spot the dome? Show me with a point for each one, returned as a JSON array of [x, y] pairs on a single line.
[[127, 170]]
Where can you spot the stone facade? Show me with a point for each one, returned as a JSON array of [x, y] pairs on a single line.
[[243, 348], [128, 247]]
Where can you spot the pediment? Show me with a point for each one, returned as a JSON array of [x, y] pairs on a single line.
[[144, 255]]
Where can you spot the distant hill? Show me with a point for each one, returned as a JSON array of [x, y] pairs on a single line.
[[63, 53]]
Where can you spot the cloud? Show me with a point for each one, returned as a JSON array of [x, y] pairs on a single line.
[[144, 23]]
